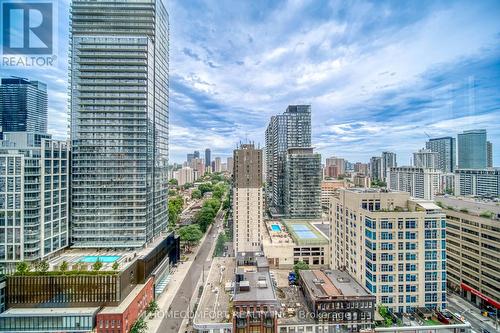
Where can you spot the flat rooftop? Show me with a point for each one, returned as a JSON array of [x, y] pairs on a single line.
[[332, 284], [293, 307], [39, 312], [474, 206], [305, 232], [215, 301], [261, 288]]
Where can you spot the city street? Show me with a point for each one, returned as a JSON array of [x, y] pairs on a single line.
[[458, 305], [177, 311]]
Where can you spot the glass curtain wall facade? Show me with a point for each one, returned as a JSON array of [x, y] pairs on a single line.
[[472, 150], [292, 129], [23, 106], [119, 121], [446, 148]]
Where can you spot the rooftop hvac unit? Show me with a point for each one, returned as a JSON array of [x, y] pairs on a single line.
[[262, 284]]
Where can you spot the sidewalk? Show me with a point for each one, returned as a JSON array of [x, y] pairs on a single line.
[[166, 298]]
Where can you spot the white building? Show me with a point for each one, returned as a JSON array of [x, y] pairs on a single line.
[[185, 175], [426, 158], [218, 165], [393, 244], [421, 183], [34, 196], [481, 182]]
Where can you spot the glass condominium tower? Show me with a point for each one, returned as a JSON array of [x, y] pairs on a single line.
[[119, 52]]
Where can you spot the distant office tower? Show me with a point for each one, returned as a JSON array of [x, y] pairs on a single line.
[[338, 163], [472, 150], [388, 161], [421, 183], [292, 129], [23, 106], [376, 168], [426, 158], [199, 167], [446, 148], [230, 164], [248, 198], [489, 154], [302, 183], [189, 158], [218, 164], [34, 196], [398, 249], [478, 182], [119, 122], [196, 154], [208, 158]]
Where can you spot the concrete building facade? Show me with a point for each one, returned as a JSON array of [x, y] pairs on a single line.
[[446, 148], [393, 245], [248, 199], [420, 182]]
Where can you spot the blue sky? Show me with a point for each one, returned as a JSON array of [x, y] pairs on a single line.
[[379, 75]]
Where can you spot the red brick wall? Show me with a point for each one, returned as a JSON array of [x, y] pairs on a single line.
[[122, 322]]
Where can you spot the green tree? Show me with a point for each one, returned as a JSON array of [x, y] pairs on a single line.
[[218, 191], [22, 268], [152, 307], [140, 326], [213, 203], [299, 266], [219, 246], [173, 182], [190, 234], [204, 217], [115, 266], [196, 194], [227, 203], [175, 205], [97, 265], [204, 188], [64, 266]]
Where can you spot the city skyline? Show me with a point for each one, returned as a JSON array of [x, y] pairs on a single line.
[[356, 110]]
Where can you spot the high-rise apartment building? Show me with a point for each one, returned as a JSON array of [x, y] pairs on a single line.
[[482, 182], [248, 198], [23, 106], [393, 245], [423, 183], [447, 151], [338, 163], [426, 158], [218, 164], [185, 175], [473, 248], [489, 154], [208, 158], [292, 129], [230, 164], [302, 183], [119, 86], [376, 168], [361, 168], [472, 150], [34, 174], [388, 161]]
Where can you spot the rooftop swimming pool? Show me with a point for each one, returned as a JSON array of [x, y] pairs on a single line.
[[103, 259], [275, 227], [303, 231]]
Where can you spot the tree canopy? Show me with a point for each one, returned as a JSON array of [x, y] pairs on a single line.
[[299, 266], [190, 234]]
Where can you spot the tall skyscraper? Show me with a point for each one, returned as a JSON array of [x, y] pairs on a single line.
[[489, 154], [119, 121], [230, 165], [292, 129], [388, 161], [248, 198], [398, 249], [23, 106], [426, 158], [446, 148], [34, 196], [218, 164], [376, 168], [338, 162], [208, 158], [196, 154], [189, 159], [472, 149], [302, 183]]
